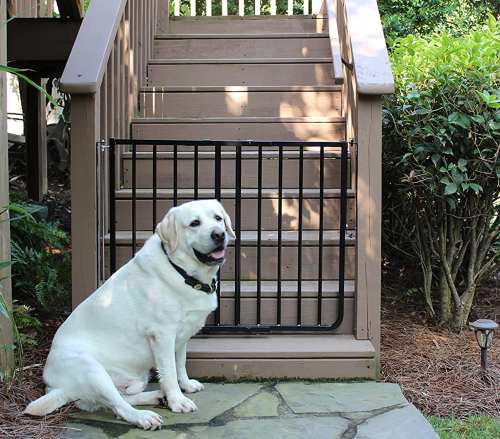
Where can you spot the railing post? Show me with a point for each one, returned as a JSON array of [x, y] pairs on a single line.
[[5, 286], [369, 217], [85, 132], [162, 14]]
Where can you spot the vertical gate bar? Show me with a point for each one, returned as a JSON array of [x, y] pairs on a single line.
[[134, 196], [280, 223], [218, 166], [343, 220], [320, 231], [237, 247], [112, 205], [155, 189], [300, 224], [259, 234], [217, 192], [174, 164], [195, 172]]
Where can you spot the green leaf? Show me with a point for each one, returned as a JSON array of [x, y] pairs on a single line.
[[462, 164], [450, 189], [478, 119], [460, 119], [476, 187]]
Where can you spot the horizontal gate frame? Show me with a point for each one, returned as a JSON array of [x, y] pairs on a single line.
[[217, 144]]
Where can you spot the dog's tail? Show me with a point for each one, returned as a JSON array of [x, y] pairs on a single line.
[[47, 403]]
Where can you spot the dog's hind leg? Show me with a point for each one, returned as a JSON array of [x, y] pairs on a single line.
[[153, 397], [101, 384]]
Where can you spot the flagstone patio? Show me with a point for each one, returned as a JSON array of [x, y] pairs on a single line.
[[359, 410]]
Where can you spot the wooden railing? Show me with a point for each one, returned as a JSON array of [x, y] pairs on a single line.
[[367, 76], [103, 74], [31, 8], [248, 7]]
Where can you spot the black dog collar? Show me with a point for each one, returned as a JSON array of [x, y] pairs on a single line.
[[190, 280]]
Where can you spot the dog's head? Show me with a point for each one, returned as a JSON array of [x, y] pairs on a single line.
[[199, 229]]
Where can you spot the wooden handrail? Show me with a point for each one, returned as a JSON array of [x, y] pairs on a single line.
[[88, 59], [370, 58], [363, 46], [338, 69]]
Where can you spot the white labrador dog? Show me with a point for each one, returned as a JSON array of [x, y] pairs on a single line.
[[141, 318]]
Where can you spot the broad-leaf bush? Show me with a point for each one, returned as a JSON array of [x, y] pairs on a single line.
[[442, 168]]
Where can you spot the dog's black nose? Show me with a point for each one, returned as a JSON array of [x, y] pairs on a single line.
[[218, 236]]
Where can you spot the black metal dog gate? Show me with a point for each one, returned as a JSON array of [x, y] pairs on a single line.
[[289, 206]]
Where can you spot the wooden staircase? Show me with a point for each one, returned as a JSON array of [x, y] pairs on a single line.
[[269, 78]]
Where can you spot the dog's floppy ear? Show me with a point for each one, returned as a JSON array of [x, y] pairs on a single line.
[[227, 222], [167, 230]]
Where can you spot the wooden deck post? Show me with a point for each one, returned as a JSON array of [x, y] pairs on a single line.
[[163, 16], [85, 109], [36, 142], [368, 115], [5, 285]]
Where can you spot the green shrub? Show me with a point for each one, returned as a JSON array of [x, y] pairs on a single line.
[[422, 17], [41, 263], [442, 168]]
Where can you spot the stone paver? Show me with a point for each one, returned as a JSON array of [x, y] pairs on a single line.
[[340, 397], [291, 410]]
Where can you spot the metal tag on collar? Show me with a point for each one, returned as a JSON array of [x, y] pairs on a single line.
[[197, 286]]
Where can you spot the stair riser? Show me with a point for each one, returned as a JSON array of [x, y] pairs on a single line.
[[241, 103], [249, 173], [177, 75], [283, 131], [290, 209], [289, 312], [226, 48], [269, 262], [206, 25]]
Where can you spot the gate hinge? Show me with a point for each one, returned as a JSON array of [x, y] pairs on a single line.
[[102, 145]]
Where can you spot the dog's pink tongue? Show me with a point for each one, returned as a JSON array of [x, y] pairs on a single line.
[[218, 254]]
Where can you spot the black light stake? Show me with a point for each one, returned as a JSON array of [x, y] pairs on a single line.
[[484, 330]]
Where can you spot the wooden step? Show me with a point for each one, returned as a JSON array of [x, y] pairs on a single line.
[[269, 206], [249, 169], [248, 24], [281, 356], [244, 128], [240, 101], [293, 72], [269, 254]]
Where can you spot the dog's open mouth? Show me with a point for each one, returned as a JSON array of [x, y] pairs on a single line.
[[213, 258]]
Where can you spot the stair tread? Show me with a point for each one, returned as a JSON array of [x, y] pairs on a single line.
[[236, 119], [226, 89], [166, 61], [241, 35], [245, 193], [288, 237], [280, 346]]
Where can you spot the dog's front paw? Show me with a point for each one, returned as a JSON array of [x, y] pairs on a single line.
[[191, 386], [147, 419], [181, 404]]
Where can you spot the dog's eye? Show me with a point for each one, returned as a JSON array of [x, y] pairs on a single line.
[[195, 223], [218, 218]]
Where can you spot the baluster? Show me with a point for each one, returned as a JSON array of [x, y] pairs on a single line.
[[177, 7], [192, 8], [290, 7], [241, 7], [224, 7], [273, 7], [257, 7], [209, 8], [306, 7]]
